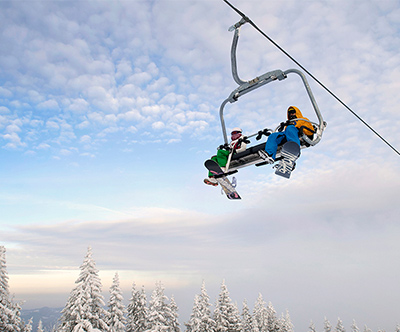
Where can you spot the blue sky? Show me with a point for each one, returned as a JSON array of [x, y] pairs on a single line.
[[109, 109]]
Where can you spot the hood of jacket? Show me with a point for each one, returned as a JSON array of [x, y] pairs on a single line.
[[305, 126], [297, 112]]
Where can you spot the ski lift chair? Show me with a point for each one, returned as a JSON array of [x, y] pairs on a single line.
[[250, 156]]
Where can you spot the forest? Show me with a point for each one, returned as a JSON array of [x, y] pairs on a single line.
[[86, 310]]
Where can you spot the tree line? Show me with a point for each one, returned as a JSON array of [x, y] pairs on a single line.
[[86, 311]]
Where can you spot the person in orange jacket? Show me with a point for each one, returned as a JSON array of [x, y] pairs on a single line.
[[289, 132]]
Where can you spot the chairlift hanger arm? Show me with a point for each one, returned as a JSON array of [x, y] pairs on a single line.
[[247, 86]]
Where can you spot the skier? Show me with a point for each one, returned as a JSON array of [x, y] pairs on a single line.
[[288, 131], [236, 145]]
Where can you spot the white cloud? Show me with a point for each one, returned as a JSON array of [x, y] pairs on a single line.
[[65, 152], [43, 146], [5, 93], [158, 125], [14, 141], [140, 78], [50, 105], [85, 139], [52, 125], [12, 128], [79, 106], [83, 124]]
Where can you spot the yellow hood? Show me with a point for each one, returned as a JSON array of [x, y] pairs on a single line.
[[305, 126]]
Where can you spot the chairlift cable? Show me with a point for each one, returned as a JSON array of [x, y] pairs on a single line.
[[247, 19]]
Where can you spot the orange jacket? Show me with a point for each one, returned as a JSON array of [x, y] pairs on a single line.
[[305, 126]]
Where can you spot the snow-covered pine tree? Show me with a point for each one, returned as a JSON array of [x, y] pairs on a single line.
[[339, 326], [159, 311], [173, 317], [285, 323], [28, 326], [327, 325], [40, 326], [273, 323], [367, 329], [137, 311], [226, 313], [354, 327], [116, 310], [10, 312], [193, 325], [17, 317], [84, 310], [312, 327], [247, 319], [200, 318], [260, 315]]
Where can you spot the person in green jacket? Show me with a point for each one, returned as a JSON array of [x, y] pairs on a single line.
[[222, 154]]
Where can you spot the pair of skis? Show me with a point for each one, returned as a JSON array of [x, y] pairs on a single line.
[[290, 153], [222, 179]]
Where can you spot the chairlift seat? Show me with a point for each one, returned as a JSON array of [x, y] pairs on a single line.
[[250, 156]]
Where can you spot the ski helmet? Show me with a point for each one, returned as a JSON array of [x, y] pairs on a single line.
[[236, 133], [236, 129]]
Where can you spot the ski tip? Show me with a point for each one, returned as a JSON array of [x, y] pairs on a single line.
[[234, 196], [284, 175]]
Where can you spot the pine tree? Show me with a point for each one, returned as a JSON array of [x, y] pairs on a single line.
[[339, 326], [28, 326], [286, 323], [84, 309], [367, 329], [260, 315], [193, 325], [10, 312], [173, 317], [247, 319], [116, 310], [200, 318], [137, 311], [354, 327], [273, 324], [312, 327], [40, 326], [226, 314], [327, 325], [159, 311]]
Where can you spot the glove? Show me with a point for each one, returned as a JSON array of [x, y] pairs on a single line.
[[225, 146], [282, 126]]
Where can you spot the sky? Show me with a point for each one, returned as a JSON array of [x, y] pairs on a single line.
[[108, 110]]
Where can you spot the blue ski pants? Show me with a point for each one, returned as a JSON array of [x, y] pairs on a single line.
[[290, 134]]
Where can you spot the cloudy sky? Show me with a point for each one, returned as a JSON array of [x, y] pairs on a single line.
[[108, 110]]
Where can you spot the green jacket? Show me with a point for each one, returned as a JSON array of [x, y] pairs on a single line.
[[221, 158]]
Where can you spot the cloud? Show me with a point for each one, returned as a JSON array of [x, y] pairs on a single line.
[[79, 105], [85, 139], [14, 141], [5, 93], [43, 146], [89, 74], [158, 125]]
